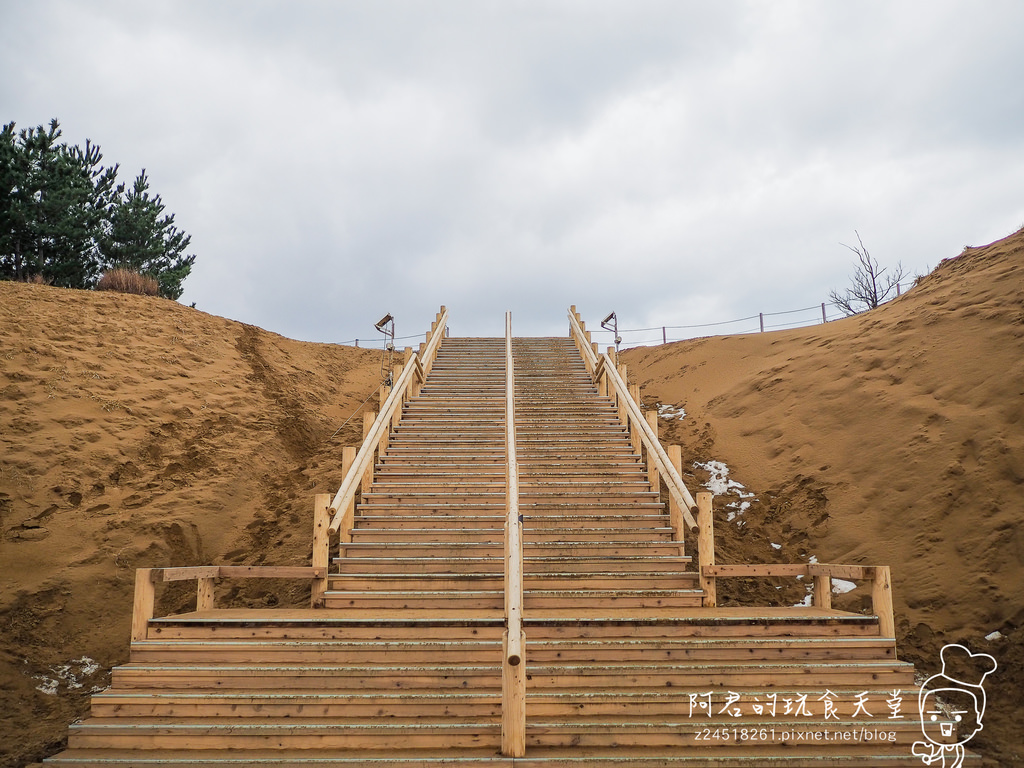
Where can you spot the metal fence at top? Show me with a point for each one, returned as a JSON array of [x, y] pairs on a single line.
[[759, 323]]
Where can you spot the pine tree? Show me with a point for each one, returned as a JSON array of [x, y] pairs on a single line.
[[53, 201], [142, 239]]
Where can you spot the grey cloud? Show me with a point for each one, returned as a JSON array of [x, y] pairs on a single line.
[[679, 162]]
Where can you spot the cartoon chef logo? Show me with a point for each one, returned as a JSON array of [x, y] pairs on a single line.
[[963, 707]]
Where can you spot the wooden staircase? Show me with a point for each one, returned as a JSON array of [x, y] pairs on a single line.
[[402, 666]]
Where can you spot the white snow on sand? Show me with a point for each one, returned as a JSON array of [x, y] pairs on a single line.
[[721, 484]]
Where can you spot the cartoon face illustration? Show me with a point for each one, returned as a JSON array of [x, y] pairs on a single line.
[[960, 686], [962, 714]]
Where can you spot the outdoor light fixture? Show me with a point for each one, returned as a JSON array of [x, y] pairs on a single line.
[[386, 325], [611, 323]]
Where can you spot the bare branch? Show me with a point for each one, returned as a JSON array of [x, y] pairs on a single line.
[[870, 286]]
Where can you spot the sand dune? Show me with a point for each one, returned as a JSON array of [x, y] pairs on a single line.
[[137, 432], [893, 437]]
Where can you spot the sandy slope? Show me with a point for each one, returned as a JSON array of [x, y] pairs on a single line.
[[893, 437], [135, 431]]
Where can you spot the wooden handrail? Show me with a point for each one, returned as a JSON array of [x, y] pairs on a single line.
[[513, 523], [823, 573], [513, 678], [603, 366], [414, 371]]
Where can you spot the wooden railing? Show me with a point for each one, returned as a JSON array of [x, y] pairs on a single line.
[[205, 576], [513, 677], [611, 382], [358, 466], [822, 575]]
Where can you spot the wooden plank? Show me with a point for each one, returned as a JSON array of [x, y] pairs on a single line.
[[144, 602], [271, 571], [652, 466], [513, 523], [706, 546], [513, 702], [347, 515], [756, 569], [187, 573], [321, 545], [205, 600], [822, 591], [369, 422], [851, 572], [881, 601]]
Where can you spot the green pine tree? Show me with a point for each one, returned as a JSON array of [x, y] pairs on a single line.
[[53, 202], [141, 238]]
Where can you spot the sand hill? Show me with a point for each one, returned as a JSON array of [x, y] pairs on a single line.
[[137, 432], [892, 437]]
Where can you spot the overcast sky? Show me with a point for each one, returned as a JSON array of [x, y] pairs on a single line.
[[676, 162]]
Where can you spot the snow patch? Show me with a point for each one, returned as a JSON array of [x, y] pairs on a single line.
[[993, 636], [72, 675], [720, 484], [667, 411], [842, 586]]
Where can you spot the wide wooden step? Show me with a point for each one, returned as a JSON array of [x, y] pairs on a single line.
[[238, 733]]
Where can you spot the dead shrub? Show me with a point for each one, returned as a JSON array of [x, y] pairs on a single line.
[[128, 281]]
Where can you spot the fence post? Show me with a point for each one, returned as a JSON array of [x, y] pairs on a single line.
[[824, 317], [321, 545], [706, 546], [762, 321], [664, 335]]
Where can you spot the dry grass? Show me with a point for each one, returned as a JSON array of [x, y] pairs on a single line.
[[127, 281]]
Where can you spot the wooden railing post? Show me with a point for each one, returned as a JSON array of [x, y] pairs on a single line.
[[369, 417], [652, 465], [822, 594], [513, 704], [881, 601], [675, 512], [348, 458], [144, 602], [706, 546], [321, 544], [398, 413], [205, 600]]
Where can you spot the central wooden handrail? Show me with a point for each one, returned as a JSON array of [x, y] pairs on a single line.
[[513, 678], [603, 367], [513, 521]]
